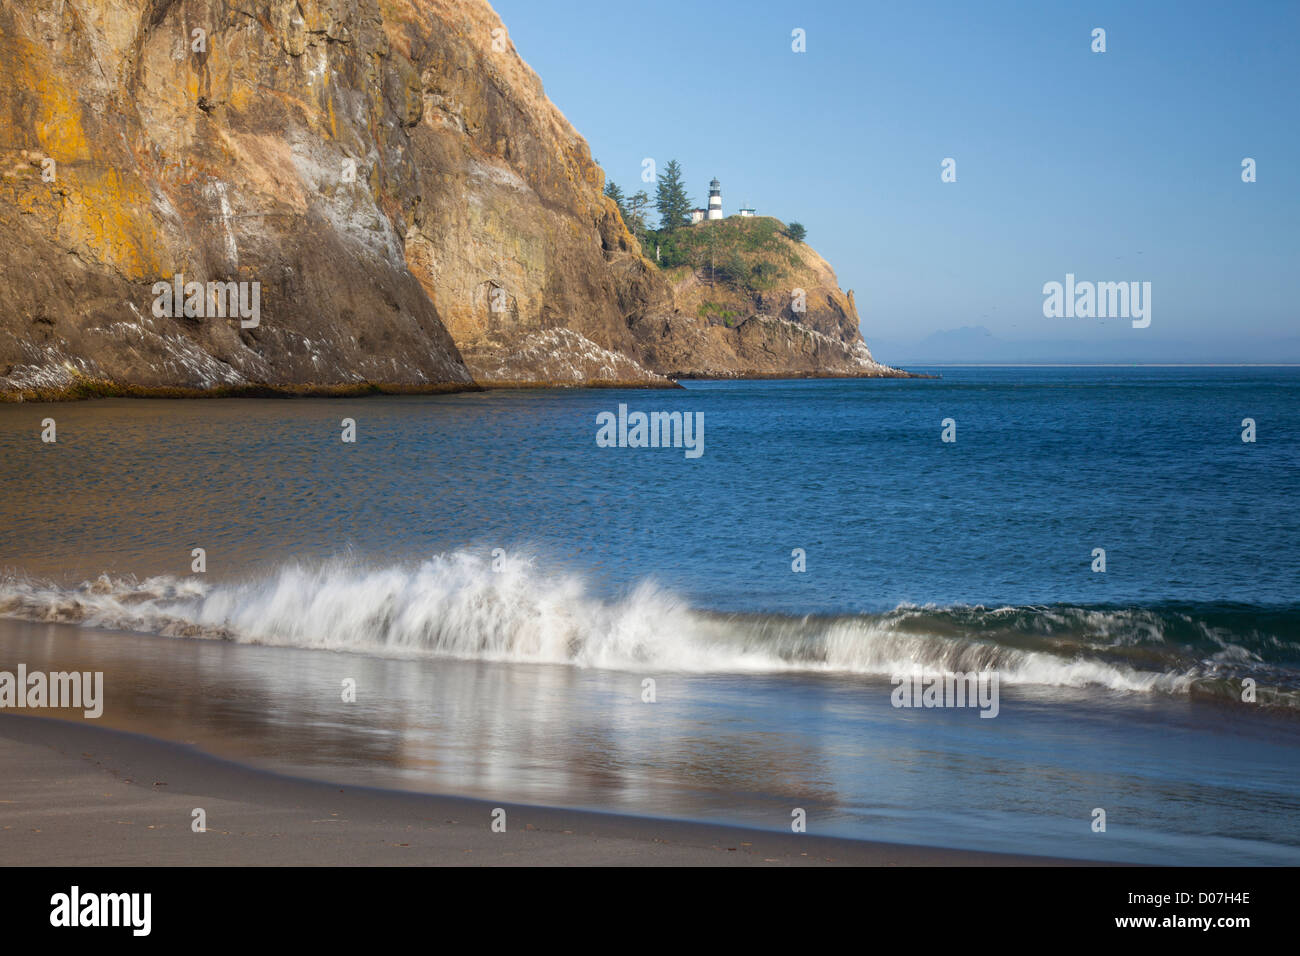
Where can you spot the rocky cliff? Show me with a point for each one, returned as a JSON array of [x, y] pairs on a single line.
[[340, 193], [749, 301]]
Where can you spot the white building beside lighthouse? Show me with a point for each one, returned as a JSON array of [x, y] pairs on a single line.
[[715, 206]]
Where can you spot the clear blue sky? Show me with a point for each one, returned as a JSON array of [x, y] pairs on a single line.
[[1124, 165]]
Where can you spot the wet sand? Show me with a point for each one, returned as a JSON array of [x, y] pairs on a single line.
[[81, 795]]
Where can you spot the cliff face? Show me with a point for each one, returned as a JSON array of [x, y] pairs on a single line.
[[388, 179], [218, 163]]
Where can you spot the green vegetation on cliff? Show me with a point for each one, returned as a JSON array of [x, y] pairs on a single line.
[[753, 254]]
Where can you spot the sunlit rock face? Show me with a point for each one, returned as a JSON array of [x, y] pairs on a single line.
[[387, 181]]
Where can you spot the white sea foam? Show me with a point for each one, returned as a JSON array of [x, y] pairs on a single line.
[[458, 606]]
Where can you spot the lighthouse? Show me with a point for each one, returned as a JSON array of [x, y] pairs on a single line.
[[715, 199]]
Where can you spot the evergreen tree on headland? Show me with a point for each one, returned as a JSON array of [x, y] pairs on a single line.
[[796, 231], [671, 199], [634, 214], [613, 191]]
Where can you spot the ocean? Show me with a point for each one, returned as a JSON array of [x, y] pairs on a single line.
[[499, 588]]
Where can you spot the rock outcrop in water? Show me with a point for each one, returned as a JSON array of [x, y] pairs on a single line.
[[402, 202]]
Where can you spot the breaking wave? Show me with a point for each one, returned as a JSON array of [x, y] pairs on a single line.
[[460, 606]]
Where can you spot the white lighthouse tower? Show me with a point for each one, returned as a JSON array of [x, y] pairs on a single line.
[[715, 199]]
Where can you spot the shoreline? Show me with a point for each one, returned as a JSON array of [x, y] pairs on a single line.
[[80, 795], [90, 389]]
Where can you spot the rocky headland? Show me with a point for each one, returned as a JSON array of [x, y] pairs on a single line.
[[384, 180]]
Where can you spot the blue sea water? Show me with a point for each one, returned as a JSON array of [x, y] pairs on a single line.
[[1048, 464], [468, 545]]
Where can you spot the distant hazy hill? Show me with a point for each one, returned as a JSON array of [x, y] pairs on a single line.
[[976, 344]]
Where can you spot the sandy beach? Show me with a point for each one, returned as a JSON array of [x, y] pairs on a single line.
[[78, 795]]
